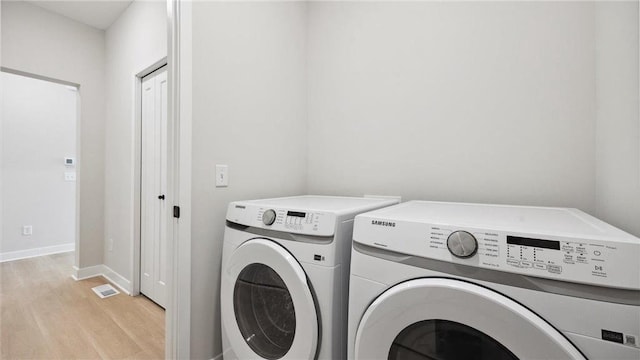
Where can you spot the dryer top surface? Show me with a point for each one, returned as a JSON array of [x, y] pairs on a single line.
[[528, 219], [331, 204]]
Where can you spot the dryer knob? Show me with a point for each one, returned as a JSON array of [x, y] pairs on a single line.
[[269, 217], [462, 244]]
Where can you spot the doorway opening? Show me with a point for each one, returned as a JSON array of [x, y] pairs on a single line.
[[39, 171]]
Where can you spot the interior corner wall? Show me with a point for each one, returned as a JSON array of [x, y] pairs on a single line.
[[453, 101], [136, 41], [249, 101], [618, 115], [37, 41]]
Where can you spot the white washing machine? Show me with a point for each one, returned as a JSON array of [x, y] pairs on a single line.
[[432, 280], [285, 274]]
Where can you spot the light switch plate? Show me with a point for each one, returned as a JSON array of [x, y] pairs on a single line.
[[222, 176]]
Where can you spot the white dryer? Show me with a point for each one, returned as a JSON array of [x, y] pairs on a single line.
[[432, 280], [285, 274]]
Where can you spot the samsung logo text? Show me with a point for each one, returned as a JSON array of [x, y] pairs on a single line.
[[383, 223]]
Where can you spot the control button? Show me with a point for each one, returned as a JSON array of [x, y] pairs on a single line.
[[269, 217], [513, 262], [462, 244], [526, 264], [555, 269], [597, 253], [540, 266]]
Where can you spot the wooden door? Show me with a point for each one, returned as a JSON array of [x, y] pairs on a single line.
[[153, 256]]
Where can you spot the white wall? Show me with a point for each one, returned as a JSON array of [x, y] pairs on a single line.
[[618, 117], [39, 42], [249, 113], [500, 102], [137, 40], [476, 102], [38, 132]]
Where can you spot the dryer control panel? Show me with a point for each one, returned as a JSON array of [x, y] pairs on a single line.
[[605, 256], [282, 219], [584, 261]]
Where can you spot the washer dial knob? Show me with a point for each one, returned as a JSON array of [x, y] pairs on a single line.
[[462, 244], [269, 217]]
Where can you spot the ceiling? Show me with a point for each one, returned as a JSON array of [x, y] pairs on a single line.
[[97, 13]]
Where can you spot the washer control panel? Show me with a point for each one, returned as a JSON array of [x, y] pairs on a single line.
[[586, 261], [590, 261], [279, 219]]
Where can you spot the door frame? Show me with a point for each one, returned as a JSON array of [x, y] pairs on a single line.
[[137, 175], [179, 74]]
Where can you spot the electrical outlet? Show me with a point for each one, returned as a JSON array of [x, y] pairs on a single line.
[[27, 230], [70, 176]]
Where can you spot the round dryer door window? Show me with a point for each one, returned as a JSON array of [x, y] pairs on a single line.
[[264, 311], [443, 339], [445, 319], [268, 310]]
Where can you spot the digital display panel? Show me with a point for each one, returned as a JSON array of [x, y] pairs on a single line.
[[539, 243], [296, 214]]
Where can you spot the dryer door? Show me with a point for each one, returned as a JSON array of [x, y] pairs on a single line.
[[437, 318], [268, 310]]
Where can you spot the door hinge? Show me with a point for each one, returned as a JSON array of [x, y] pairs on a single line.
[[176, 212]]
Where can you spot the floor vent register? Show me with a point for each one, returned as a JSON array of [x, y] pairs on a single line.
[[105, 291]]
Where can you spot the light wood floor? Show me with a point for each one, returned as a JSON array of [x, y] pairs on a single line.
[[45, 314]]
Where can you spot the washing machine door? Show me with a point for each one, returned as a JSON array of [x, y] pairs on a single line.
[[268, 309], [438, 318]]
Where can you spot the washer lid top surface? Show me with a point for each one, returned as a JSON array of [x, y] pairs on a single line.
[[522, 219], [304, 215], [331, 204]]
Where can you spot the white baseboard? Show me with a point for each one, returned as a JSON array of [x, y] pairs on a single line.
[[87, 272], [103, 270], [29, 253], [119, 280]]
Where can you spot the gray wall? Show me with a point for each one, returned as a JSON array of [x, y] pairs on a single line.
[[39, 42], [618, 117], [249, 113], [474, 102], [38, 132], [137, 40]]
